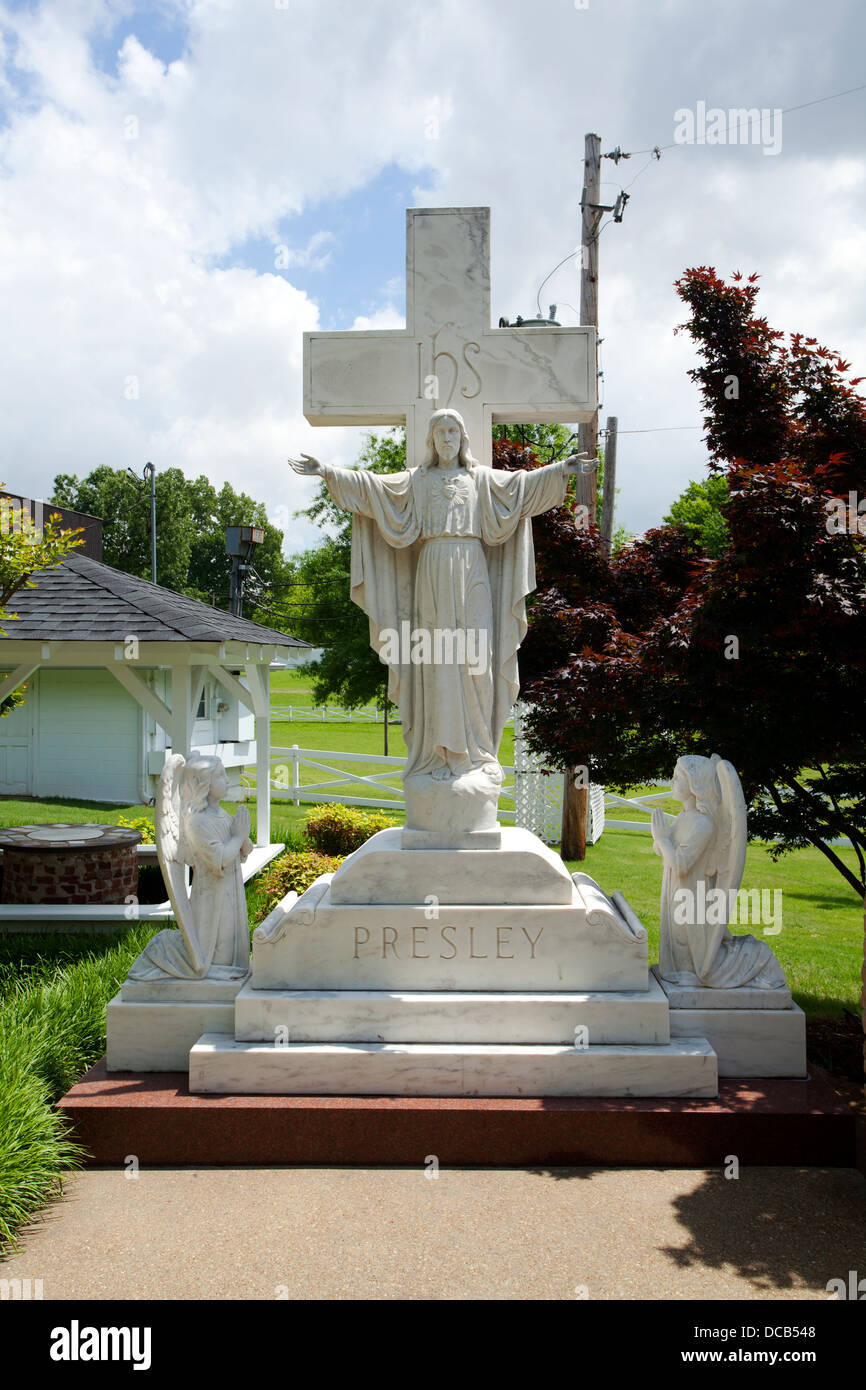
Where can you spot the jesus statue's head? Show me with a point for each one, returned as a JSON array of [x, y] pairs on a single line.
[[447, 440]]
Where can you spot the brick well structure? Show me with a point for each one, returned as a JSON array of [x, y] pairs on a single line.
[[69, 863]]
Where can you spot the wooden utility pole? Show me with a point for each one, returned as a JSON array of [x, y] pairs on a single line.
[[575, 795], [590, 219], [607, 503]]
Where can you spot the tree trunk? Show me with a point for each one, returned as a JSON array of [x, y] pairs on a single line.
[[575, 806]]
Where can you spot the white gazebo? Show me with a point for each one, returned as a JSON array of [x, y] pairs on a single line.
[[119, 673]]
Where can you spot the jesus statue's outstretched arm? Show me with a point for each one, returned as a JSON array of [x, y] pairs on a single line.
[[383, 497]]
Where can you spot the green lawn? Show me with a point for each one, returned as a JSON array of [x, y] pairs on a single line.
[[61, 809], [292, 686]]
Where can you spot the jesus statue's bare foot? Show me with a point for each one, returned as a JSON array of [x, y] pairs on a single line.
[[441, 774]]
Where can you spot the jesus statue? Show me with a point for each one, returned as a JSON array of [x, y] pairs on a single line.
[[442, 562]]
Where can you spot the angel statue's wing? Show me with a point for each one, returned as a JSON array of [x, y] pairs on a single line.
[[167, 827], [732, 835]]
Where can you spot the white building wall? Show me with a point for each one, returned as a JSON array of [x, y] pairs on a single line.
[[89, 738], [81, 735]]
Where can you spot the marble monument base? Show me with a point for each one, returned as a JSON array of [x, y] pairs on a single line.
[[452, 972], [505, 866], [511, 1017], [151, 1025], [222, 1065], [754, 1032], [451, 839], [464, 920]]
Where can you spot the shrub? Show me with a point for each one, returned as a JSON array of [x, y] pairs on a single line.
[[338, 829], [140, 823], [291, 872]]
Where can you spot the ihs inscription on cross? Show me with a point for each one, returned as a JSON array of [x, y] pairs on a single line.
[[448, 354]]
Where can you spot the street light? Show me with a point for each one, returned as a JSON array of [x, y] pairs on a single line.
[[241, 542]]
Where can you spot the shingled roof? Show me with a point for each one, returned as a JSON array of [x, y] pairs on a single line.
[[83, 600]]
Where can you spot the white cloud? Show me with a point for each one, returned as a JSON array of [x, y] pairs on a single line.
[[124, 196]]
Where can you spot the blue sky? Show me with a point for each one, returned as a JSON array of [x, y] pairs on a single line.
[[362, 240], [161, 28]]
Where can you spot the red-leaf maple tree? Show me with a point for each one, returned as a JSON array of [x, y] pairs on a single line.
[[759, 654]]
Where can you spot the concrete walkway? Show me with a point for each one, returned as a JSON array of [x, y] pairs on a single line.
[[773, 1233]]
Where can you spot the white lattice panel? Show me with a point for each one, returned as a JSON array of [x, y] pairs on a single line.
[[538, 796]]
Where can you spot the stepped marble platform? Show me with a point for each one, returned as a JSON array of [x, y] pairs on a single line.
[[376, 1016], [152, 1024], [221, 1065], [452, 920], [452, 972], [755, 1032]]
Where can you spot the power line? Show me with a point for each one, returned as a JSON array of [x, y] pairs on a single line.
[[655, 150], [662, 429]]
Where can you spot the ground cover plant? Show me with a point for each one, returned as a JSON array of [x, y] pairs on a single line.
[[52, 1029]]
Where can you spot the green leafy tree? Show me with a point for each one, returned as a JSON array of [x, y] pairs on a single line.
[[191, 521], [758, 654], [700, 508]]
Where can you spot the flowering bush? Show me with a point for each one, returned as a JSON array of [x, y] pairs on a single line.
[[292, 872]]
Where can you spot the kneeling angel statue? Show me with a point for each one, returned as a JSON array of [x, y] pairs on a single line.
[[213, 937], [704, 853]]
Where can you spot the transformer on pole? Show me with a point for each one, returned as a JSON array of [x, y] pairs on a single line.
[[241, 542]]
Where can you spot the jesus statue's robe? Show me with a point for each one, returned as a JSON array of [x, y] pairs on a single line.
[[447, 548]]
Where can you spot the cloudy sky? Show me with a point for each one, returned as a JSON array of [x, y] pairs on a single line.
[[188, 185]]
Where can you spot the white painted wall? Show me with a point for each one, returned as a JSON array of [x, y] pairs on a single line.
[[228, 733], [80, 734], [89, 740]]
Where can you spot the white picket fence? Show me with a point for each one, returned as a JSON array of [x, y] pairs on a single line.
[[322, 714], [286, 764], [367, 714], [529, 797], [640, 803]]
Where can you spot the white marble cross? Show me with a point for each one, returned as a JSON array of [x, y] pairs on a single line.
[[448, 355]]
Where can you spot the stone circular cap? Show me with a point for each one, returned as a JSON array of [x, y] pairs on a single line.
[[65, 835]]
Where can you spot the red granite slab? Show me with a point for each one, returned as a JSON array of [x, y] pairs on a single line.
[[153, 1116]]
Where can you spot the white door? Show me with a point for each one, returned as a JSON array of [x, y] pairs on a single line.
[[17, 732]]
